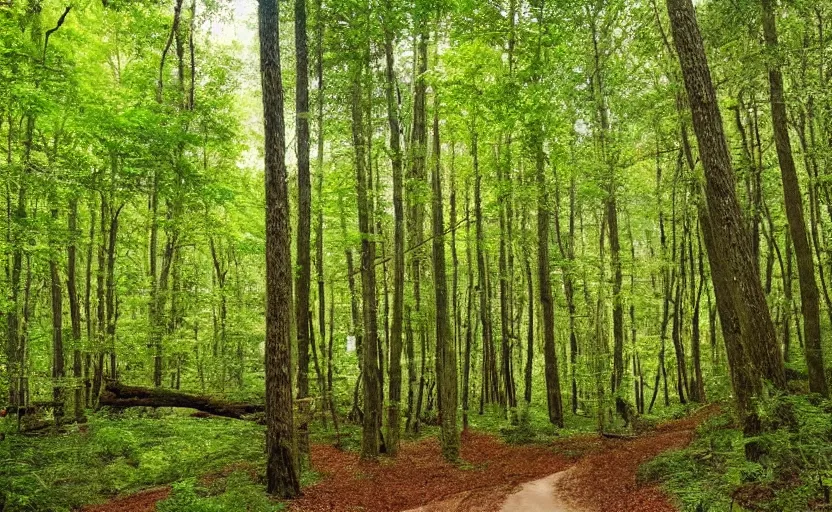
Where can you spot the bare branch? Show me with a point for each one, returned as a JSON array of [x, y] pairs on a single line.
[[53, 30]]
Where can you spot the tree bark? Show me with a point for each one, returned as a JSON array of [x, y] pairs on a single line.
[[74, 305], [281, 472], [369, 357], [553, 395], [118, 396], [303, 262], [446, 371], [809, 298], [58, 372], [729, 232], [395, 364]]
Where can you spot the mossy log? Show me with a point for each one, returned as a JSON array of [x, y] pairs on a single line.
[[121, 396]]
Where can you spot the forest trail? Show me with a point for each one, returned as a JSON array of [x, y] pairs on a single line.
[[577, 474], [602, 481]]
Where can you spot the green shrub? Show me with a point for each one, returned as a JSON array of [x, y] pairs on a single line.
[[712, 473], [109, 443], [237, 492]]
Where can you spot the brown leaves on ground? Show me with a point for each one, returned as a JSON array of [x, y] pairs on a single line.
[[144, 501], [491, 470], [602, 475], [606, 481]]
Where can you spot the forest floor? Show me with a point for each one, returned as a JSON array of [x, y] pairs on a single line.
[[583, 473]]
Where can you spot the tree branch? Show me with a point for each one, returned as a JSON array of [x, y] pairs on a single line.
[[53, 30]]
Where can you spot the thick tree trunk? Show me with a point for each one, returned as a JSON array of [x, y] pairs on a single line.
[[303, 262], [118, 396], [809, 298], [417, 151], [281, 472], [729, 234]]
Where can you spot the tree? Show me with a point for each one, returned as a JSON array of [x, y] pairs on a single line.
[[729, 233], [809, 298], [281, 473], [371, 424], [744, 314], [446, 371], [395, 365], [304, 203], [553, 395]]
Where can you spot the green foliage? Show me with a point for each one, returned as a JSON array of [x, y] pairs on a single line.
[[792, 475], [110, 443], [116, 455], [236, 492]]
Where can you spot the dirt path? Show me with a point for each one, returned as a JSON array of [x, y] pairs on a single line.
[[419, 476], [606, 481], [602, 481], [539, 496]]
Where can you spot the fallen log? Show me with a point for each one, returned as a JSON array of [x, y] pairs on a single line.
[[120, 396]]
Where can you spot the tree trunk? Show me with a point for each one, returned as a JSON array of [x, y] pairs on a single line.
[[395, 364], [505, 295], [553, 395], [281, 472], [154, 305], [101, 305], [446, 371], [304, 265], [121, 396], [58, 372], [74, 305], [112, 313], [369, 357], [469, 314], [729, 234], [319, 225], [809, 298]]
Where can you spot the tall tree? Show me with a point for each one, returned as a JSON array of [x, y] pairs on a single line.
[[371, 424], [304, 263], [446, 371], [550, 356], [809, 297], [281, 471], [729, 234], [395, 364]]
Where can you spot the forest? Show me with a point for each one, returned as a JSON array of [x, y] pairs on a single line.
[[415, 255]]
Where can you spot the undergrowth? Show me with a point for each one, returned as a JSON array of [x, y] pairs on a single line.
[[120, 454], [793, 475]]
